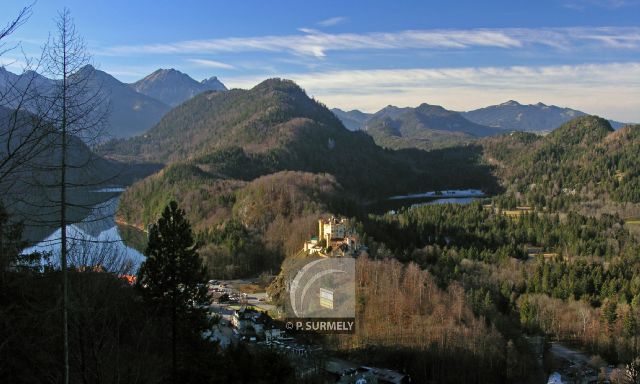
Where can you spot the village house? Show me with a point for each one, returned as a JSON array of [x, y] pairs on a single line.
[[272, 333], [250, 322]]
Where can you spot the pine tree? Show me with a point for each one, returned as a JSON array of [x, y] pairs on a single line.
[[630, 327], [173, 277], [608, 313], [629, 324]]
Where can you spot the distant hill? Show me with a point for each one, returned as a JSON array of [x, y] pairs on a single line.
[[424, 127], [12, 85], [352, 120], [583, 159], [356, 120], [133, 108], [173, 87], [513, 116], [509, 116], [390, 111]]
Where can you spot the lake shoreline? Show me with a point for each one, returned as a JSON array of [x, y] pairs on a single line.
[[398, 202]]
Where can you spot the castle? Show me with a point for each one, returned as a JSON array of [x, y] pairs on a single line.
[[334, 235]]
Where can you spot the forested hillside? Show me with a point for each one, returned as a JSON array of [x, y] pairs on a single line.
[[253, 185], [582, 160], [569, 276], [245, 227]]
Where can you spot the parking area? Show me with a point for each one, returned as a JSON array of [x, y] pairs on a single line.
[[240, 292]]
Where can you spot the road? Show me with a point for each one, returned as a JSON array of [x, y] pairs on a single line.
[[562, 351], [254, 299], [578, 366]]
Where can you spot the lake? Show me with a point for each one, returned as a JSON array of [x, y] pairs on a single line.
[[96, 239], [453, 196]]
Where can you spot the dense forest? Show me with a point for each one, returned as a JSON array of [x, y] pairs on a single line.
[[493, 274], [447, 293], [245, 227], [566, 275], [436, 334]]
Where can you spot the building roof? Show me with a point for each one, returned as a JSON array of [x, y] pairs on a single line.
[[253, 315]]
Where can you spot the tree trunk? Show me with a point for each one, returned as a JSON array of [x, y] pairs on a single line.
[[174, 365], [63, 215]]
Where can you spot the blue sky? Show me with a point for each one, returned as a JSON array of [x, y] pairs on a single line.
[[583, 54]]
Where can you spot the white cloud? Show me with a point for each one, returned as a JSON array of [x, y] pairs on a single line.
[[332, 21], [315, 43], [211, 64], [610, 90]]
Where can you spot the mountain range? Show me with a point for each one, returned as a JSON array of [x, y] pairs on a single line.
[[424, 127], [513, 116], [137, 107], [508, 116], [133, 108], [225, 154], [275, 126], [129, 112]]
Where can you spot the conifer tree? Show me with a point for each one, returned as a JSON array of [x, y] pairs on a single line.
[[173, 277]]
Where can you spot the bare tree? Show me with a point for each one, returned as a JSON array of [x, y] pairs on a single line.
[[21, 132], [48, 115], [74, 108]]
